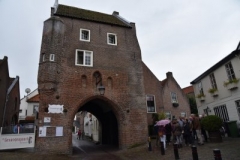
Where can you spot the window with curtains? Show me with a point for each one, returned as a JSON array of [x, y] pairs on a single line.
[[151, 104]]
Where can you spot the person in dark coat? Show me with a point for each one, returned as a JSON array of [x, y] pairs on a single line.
[[155, 128], [168, 128], [187, 132]]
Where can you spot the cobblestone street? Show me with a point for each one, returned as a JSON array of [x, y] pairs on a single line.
[[87, 150]]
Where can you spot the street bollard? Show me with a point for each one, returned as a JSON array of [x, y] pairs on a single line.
[[217, 154], [149, 144], [162, 149], [175, 148], [194, 153]]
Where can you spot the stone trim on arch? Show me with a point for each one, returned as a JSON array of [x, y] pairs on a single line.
[[117, 110]]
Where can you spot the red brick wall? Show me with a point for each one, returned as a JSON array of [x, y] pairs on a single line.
[[12, 106], [172, 86], [152, 87], [121, 63]]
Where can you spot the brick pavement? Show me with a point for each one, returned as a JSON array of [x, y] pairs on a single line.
[[229, 151]]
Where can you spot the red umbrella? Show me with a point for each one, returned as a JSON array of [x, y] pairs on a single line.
[[163, 122]]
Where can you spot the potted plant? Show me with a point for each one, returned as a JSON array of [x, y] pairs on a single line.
[[213, 124], [213, 91], [175, 103], [201, 96], [231, 84]]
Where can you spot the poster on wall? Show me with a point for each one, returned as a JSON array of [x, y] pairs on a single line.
[[59, 131], [42, 131]]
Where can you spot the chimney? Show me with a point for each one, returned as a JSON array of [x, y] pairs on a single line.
[[115, 13], [169, 74]]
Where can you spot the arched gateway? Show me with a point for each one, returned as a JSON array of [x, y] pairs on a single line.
[[84, 52]]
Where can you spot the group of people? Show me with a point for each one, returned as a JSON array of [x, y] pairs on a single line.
[[183, 131]]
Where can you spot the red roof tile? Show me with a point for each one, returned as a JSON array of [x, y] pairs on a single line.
[[34, 98]]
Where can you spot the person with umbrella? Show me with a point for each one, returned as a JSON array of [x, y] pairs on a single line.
[[162, 130]]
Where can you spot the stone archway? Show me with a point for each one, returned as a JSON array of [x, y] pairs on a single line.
[[109, 115]]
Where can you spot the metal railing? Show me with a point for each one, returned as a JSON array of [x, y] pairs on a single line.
[[27, 128]]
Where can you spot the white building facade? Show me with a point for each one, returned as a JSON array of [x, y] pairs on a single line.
[[217, 90], [29, 106]]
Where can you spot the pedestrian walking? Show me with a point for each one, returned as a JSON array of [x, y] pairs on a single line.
[[79, 134], [187, 132], [197, 127], [162, 135], [177, 132], [168, 129]]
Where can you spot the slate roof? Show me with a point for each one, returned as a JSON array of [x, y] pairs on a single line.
[[78, 13], [217, 65]]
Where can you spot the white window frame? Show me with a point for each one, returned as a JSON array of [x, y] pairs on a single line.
[[213, 80], [81, 34], [183, 113], [108, 36], [168, 115], [230, 71], [84, 57], [52, 57], [151, 106], [174, 100]]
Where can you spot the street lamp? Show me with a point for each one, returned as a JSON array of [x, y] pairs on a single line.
[[208, 109], [101, 89]]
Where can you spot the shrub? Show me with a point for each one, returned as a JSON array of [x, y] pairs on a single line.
[[211, 123]]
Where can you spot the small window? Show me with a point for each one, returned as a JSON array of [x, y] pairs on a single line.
[[85, 35], [151, 104], [52, 57], [168, 115], [174, 97], [43, 57], [84, 58], [183, 114], [112, 39], [20, 111]]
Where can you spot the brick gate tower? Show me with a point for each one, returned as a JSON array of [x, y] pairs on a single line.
[[84, 52]]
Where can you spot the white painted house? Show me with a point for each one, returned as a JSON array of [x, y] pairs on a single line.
[[29, 105], [91, 126], [217, 90]]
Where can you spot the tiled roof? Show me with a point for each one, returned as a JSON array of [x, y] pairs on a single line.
[[34, 99], [78, 13], [188, 90]]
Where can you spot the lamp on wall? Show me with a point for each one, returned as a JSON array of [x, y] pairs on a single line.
[[208, 109], [101, 89]]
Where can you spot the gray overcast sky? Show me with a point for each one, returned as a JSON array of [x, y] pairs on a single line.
[[185, 37]]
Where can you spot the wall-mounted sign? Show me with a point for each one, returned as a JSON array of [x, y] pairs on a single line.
[[42, 131], [59, 131], [47, 119], [11, 141], [55, 108]]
